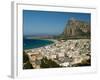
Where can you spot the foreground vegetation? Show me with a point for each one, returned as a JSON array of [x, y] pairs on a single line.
[[26, 63], [48, 63]]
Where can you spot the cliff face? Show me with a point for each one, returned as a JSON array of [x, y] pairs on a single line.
[[77, 29]]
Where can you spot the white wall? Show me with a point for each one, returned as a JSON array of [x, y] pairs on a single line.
[[5, 39]]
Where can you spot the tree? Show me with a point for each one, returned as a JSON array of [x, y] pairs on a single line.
[[48, 63], [26, 63]]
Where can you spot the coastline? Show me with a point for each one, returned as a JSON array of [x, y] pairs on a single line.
[[67, 53], [48, 41]]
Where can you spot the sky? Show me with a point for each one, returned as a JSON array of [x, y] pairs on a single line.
[[47, 22]]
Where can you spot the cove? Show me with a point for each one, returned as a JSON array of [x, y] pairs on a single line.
[[35, 43]]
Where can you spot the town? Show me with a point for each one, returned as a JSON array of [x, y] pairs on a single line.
[[65, 53]]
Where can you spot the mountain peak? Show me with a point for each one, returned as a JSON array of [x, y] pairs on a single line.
[[72, 19]]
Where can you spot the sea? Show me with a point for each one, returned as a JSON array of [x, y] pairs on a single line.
[[35, 43]]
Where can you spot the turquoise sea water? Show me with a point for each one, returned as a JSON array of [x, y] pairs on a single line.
[[35, 43]]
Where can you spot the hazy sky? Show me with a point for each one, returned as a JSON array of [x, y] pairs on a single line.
[[44, 22]]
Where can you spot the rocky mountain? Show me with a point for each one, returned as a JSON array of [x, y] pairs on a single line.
[[76, 29]]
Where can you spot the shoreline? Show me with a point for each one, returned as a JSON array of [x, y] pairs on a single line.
[[69, 53], [53, 40]]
